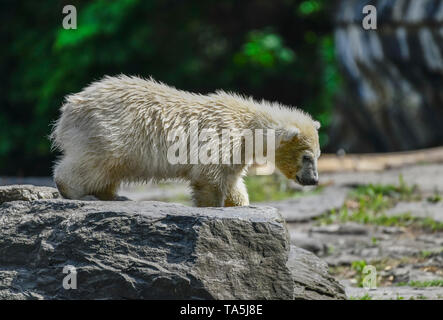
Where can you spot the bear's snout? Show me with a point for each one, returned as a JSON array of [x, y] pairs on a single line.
[[308, 179]]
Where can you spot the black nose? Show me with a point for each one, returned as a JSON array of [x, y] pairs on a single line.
[[312, 182]]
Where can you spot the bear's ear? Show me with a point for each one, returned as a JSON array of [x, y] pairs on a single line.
[[317, 125], [286, 134]]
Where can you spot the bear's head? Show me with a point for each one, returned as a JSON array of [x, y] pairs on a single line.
[[297, 152]]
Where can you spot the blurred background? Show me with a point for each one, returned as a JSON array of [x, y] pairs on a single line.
[[373, 91], [377, 93]]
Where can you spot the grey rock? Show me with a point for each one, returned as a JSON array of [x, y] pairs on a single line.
[[422, 276], [401, 274], [308, 284], [153, 250], [304, 241], [349, 228], [395, 293], [408, 273], [370, 253], [433, 265], [400, 250], [392, 230], [26, 193], [424, 176], [309, 207], [433, 238], [344, 259], [423, 209]]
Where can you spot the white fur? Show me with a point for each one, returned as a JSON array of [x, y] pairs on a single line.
[[116, 130]]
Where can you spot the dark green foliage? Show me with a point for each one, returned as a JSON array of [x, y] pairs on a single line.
[[277, 50]]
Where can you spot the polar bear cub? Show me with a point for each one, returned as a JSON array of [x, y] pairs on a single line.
[[122, 129]]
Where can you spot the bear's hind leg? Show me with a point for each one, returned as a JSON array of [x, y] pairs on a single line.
[[67, 181], [206, 195], [76, 178]]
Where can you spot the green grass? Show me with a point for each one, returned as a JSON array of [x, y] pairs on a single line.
[[364, 297], [430, 253], [380, 196], [367, 205], [436, 197], [426, 253], [422, 284], [379, 218], [358, 267], [272, 188], [429, 223], [419, 297]]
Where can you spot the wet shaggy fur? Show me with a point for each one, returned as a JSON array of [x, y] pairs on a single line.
[[116, 130]]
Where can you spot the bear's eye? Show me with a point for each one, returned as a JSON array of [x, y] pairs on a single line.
[[306, 158]]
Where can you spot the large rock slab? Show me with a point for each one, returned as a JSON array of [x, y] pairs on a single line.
[[153, 250]]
